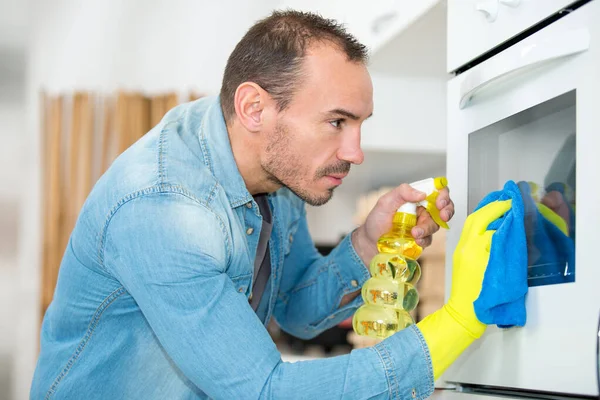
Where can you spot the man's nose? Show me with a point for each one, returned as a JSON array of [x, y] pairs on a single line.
[[350, 150]]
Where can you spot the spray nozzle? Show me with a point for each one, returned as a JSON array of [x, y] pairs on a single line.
[[431, 188]]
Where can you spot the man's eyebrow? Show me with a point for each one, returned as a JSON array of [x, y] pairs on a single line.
[[345, 113]]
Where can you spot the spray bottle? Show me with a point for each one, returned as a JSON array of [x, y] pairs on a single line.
[[390, 294]]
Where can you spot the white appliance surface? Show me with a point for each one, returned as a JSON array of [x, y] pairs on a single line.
[[511, 117], [477, 26]]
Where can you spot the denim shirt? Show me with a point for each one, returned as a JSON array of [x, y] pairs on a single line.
[[152, 295]]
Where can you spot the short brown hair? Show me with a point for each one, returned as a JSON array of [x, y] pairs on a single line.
[[270, 54]]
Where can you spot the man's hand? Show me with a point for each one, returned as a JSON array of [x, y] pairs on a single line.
[[451, 329], [379, 220], [469, 263]]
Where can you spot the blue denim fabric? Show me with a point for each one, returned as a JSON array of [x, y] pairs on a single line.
[[152, 295]]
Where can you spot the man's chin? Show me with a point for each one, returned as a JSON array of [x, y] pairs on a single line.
[[316, 199]]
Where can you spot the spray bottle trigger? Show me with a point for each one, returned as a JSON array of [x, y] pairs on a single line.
[[429, 204]]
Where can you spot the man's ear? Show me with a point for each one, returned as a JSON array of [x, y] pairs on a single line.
[[250, 101]]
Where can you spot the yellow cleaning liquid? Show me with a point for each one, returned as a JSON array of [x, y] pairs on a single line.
[[390, 294], [379, 322], [399, 240]]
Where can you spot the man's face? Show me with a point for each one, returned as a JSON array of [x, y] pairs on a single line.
[[314, 141]]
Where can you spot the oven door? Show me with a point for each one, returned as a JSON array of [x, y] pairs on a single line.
[[532, 114]]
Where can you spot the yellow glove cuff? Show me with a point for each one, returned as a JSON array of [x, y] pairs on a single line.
[[445, 337]]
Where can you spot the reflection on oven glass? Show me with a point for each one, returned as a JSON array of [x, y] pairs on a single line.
[[536, 149], [550, 233], [550, 220]]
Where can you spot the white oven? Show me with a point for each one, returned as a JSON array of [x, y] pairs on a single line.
[[531, 112]]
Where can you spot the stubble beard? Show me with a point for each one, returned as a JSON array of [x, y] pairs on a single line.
[[284, 168]]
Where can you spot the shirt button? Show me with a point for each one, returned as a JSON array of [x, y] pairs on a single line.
[[250, 297], [414, 394], [291, 238], [249, 231], [241, 290], [249, 204], [354, 283]]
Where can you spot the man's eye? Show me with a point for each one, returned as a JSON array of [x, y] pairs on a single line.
[[336, 123]]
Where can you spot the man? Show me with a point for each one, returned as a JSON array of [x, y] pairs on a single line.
[[196, 237]]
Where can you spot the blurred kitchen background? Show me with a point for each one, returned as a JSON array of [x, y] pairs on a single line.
[[81, 81]]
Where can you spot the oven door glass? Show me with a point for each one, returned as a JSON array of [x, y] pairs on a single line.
[[536, 150]]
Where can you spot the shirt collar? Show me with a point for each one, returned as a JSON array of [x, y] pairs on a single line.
[[218, 155]]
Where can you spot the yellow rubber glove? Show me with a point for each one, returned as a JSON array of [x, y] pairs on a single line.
[[451, 329]]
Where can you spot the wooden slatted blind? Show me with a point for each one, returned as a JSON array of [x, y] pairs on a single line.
[[82, 135]]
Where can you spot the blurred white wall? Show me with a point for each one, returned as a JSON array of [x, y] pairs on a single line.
[[13, 39], [12, 117], [154, 45]]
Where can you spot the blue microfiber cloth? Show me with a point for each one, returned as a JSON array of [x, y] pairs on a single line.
[[502, 297], [527, 250]]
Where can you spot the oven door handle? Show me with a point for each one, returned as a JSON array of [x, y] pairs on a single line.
[[568, 43]]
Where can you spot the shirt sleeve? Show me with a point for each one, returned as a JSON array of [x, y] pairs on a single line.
[[312, 286], [170, 253]]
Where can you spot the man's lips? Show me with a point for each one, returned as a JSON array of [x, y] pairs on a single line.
[[338, 176], [336, 179]]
